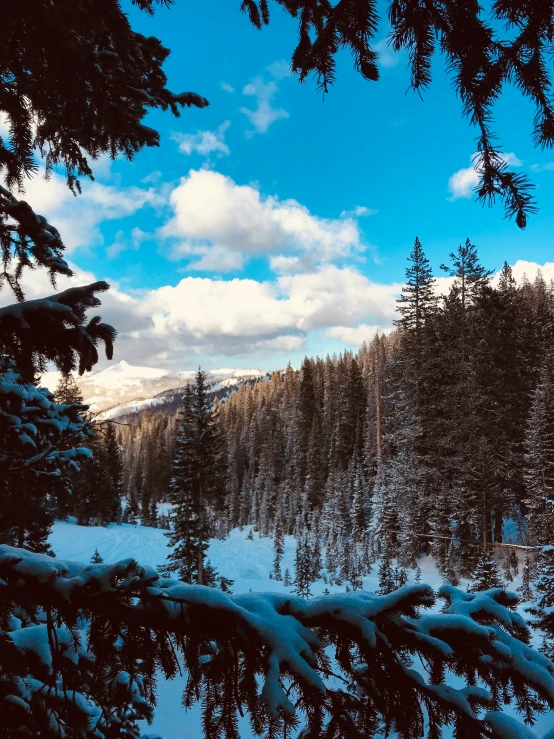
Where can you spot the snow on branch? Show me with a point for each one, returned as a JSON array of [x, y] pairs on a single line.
[[36, 433], [226, 641], [55, 328]]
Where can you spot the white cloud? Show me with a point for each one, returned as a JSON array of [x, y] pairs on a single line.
[[529, 269], [203, 142], [216, 259], [358, 212], [226, 318], [153, 177], [355, 335], [463, 182], [227, 87], [548, 167], [213, 215], [511, 159], [122, 243], [241, 315], [264, 115], [78, 218], [279, 69], [172, 325]]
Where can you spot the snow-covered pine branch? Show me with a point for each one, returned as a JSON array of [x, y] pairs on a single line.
[[55, 328], [40, 442], [226, 642]]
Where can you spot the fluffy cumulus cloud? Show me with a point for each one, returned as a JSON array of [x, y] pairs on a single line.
[[226, 318], [356, 335], [240, 316], [223, 223], [174, 324], [522, 269], [204, 142], [463, 182], [79, 219]]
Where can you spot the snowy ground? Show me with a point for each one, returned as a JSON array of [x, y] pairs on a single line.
[[247, 562]]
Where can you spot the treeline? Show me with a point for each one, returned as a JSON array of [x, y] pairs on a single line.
[[428, 439], [94, 488]]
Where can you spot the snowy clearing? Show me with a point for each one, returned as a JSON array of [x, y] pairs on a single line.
[[246, 561]]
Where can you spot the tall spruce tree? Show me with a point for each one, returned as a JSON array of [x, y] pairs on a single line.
[[543, 606], [539, 460], [67, 392], [485, 574], [198, 486]]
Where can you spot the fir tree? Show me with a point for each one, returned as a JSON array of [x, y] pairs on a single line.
[[400, 577], [278, 546], [303, 569], [543, 606], [525, 589], [485, 574], [67, 391], [514, 563], [96, 559], [386, 577], [539, 460], [417, 305], [198, 486]]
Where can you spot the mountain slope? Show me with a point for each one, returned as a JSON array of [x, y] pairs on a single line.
[[122, 384]]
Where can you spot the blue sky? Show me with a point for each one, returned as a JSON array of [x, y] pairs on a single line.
[[275, 223]]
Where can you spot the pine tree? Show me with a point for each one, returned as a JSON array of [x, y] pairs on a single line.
[[42, 445], [67, 391], [514, 563], [525, 589], [485, 574], [399, 577], [471, 278], [303, 569], [386, 577], [543, 606], [113, 471], [278, 545], [99, 487], [199, 483], [539, 460], [287, 581], [96, 559], [417, 305]]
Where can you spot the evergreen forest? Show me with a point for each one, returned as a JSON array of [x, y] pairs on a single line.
[[426, 453]]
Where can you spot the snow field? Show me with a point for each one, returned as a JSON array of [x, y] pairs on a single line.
[[246, 561]]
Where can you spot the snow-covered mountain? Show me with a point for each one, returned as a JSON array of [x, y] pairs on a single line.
[[134, 388]]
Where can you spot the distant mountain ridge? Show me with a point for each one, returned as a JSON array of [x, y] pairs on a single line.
[[123, 388]]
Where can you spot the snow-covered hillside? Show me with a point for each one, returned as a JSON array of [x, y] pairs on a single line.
[[246, 561], [123, 384]]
